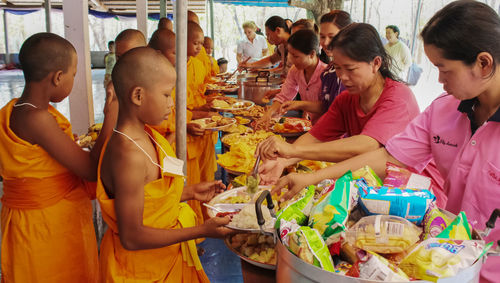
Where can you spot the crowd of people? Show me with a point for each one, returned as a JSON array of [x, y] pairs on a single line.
[[351, 87]]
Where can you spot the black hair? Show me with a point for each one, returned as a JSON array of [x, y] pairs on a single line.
[[111, 42], [305, 40], [306, 24], [361, 42], [221, 61], [275, 22], [339, 18], [462, 30], [43, 53], [394, 29]]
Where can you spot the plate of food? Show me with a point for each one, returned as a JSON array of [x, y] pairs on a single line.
[[215, 123], [232, 201], [291, 126], [229, 104], [87, 141], [222, 86], [239, 129], [254, 248], [253, 112], [242, 120]]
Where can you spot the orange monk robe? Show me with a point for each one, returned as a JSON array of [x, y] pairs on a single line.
[[47, 229], [215, 66], [213, 69], [163, 209]]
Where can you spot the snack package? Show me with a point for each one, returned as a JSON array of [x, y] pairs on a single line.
[[307, 244], [287, 228], [329, 214], [459, 229], [438, 258], [342, 268], [369, 175], [411, 204], [374, 267], [298, 208], [434, 222], [383, 234], [402, 178]]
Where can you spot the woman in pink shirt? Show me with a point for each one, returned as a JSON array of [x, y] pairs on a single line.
[[374, 107], [460, 130], [303, 77]]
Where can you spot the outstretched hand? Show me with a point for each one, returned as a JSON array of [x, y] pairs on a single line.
[[207, 190], [295, 183]]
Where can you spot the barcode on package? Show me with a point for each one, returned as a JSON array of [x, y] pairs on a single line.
[[396, 229]]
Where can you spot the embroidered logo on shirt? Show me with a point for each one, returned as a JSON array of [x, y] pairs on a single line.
[[439, 140], [494, 176]]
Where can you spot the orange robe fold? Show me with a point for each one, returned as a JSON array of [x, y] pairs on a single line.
[[212, 69], [163, 210], [47, 229]]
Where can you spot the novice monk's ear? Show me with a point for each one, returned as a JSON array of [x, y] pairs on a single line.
[[56, 77], [137, 95]]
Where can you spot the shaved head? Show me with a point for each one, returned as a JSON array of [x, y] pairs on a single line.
[[165, 23], [43, 53], [192, 17], [163, 40], [128, 39], [194, 30], [140, 67]]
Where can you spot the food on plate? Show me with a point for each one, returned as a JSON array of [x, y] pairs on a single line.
[[252, 184], [383, 234], [88, 140], [247, 218], [221, 86], [230, 103], [252, 139], [219, 103], [240, 198], [257, 247], [241, 120], [255, 111], [238, 129], [291, 125], [214, 122]]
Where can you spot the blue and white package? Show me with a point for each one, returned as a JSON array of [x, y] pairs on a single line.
[[411, 204]]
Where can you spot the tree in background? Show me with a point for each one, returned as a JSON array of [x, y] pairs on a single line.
[[318, 7]]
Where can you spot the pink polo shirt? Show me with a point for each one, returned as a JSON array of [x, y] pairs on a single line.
[[296, 83], [468, 162]]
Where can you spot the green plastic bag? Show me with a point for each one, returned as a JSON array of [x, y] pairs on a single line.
[[298, 209], [307, 244]]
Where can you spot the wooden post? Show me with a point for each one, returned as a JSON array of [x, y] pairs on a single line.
[[142, 16], [76, 30], [163, 8], [47, 15], [6, 36], [181, 84]]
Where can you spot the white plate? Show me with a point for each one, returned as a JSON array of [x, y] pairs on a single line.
[[218, 200]]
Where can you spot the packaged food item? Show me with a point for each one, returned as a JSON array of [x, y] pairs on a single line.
[[286, 229], [369, 175], [342, 267], [411, 204], [298, 208], [434, 222], [439, 258], [329, 214], [383, 234], [459, 229], [403, 178], [371, 266], [307, 244], [348, 252]]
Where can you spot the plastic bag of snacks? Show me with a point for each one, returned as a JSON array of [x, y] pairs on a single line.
[[383, 234], [329, 214], [402, 178], [307, 244], [459, 229], [438, 258], [297, 208], [434, 222], [411, 204], [369, 175], [371, 266]]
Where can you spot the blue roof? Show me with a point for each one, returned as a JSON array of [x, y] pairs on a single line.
[[261, 3]]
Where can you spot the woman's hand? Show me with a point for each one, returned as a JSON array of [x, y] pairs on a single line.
[[295, 183], [270, 171], [207, 190], [289, 106], [274, 147]]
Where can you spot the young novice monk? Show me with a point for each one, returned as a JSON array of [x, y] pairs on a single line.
[[128, 39], [47, 231], [208, 44], [139, 187]]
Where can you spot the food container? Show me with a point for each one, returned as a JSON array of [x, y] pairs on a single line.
[[255, 88], [291, 268]]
